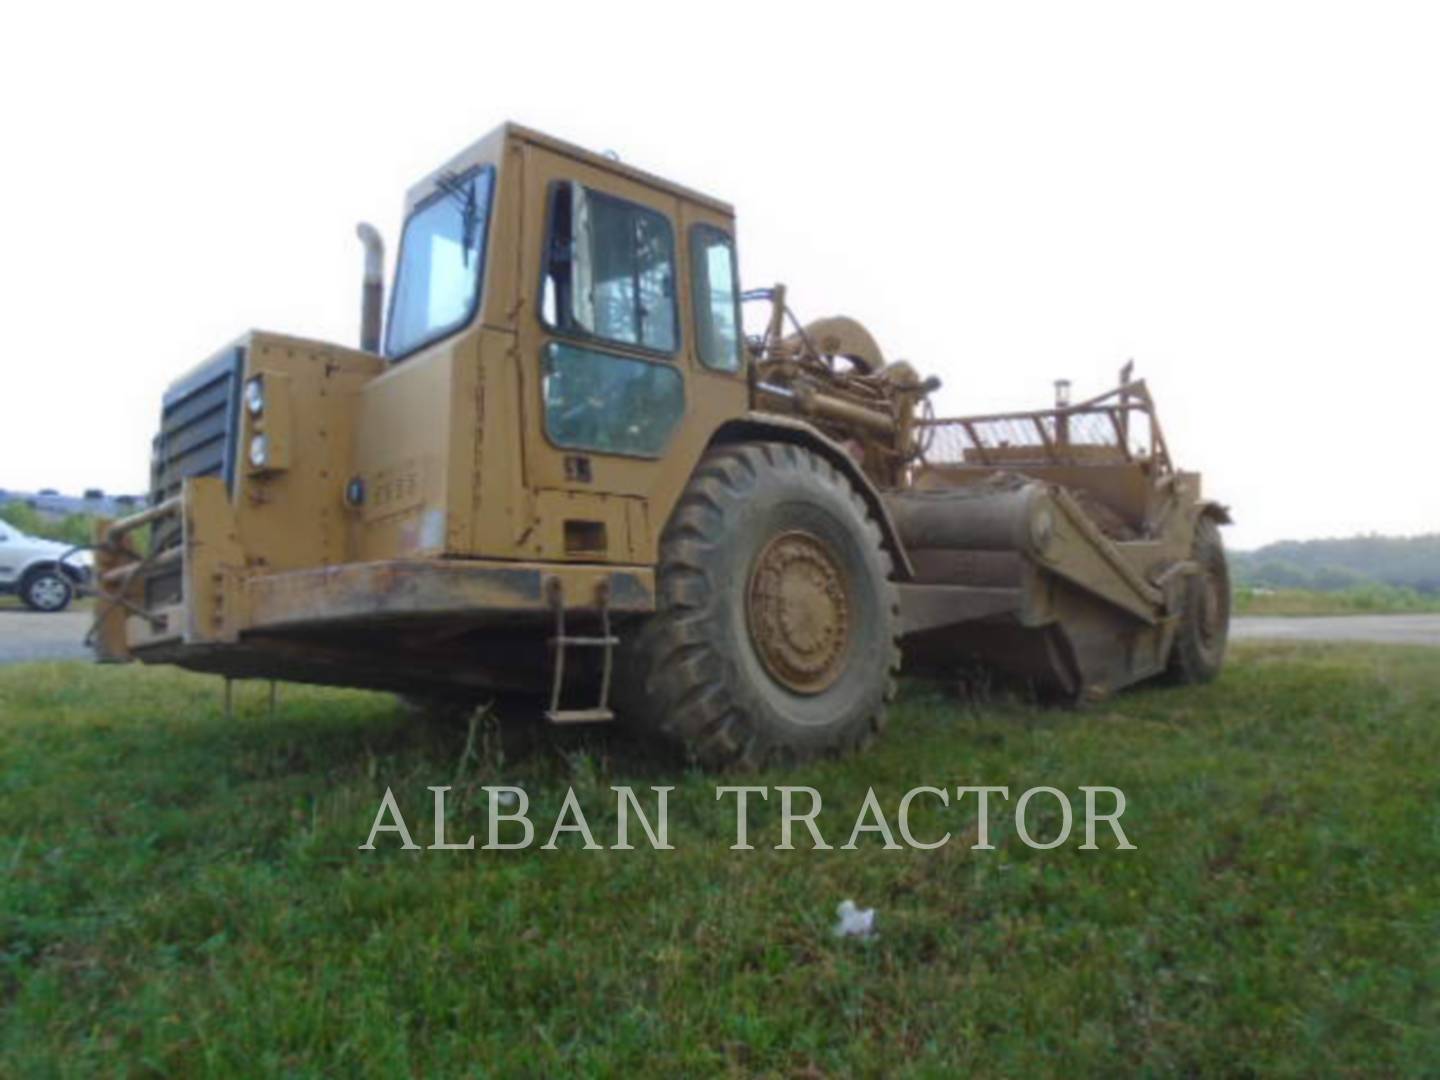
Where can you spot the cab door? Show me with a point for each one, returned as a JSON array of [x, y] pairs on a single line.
[[615, 416]]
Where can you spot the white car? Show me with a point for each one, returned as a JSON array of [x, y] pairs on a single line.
[[31, 569]]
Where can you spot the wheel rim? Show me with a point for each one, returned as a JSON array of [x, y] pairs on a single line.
[[48, 592], [799, 612]]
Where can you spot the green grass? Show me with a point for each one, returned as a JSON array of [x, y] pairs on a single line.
[[183, 895], [1361, 600], [11, 602]]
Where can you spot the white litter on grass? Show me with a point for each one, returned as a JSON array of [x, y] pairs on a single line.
[[854, 922]]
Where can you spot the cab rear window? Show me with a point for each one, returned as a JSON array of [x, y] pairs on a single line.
[[714, 284]]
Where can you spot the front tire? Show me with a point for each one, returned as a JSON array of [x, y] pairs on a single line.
[[775, 634], [46, 590]]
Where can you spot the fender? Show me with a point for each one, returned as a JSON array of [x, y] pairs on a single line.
[[761, 425], [1215, 511]]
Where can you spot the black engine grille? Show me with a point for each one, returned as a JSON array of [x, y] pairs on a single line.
[[199, 428], [198, 423]]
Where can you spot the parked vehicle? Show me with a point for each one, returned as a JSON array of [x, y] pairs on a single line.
[[45, 574]]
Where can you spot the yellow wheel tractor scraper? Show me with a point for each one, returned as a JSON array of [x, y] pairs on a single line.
[[563, 469]]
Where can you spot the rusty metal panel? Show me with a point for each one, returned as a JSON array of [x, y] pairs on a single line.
[[931, 607], [427, 588]]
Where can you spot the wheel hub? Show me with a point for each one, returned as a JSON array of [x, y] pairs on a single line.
[[799, 613], [48, 592]]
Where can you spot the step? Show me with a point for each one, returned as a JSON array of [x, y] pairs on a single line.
[[578, 716]]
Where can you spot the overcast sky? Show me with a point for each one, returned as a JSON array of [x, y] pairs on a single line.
[[1243, 198]]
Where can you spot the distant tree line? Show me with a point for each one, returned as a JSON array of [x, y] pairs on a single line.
[[71, 529], [1411, 563]]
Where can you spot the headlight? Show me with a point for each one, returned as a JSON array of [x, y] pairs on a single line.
[[255, 396], [259, 451]]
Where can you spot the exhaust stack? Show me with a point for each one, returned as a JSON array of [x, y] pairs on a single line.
[[372, 296]]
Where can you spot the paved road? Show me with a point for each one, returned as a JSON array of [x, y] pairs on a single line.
[[25, 635], [28, 636], [1381, 629]]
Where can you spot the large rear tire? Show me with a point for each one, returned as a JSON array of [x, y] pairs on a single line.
[[1199, 650], [775, 635]]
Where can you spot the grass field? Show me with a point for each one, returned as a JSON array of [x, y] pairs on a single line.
[[1369, 600], [184, 896]]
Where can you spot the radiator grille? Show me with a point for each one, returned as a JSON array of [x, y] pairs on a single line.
[[199, 422]]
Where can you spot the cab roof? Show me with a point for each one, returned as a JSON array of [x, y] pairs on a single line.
[[488, 147]]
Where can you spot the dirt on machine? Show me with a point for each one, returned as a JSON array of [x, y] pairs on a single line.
[[557, 466]]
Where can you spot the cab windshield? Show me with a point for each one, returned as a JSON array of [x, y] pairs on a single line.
[[442, 258]]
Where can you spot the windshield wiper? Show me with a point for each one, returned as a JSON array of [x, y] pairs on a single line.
[[463, 192]]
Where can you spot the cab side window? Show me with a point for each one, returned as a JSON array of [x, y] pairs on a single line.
[[714, 284], [609, 270], [614, 404]]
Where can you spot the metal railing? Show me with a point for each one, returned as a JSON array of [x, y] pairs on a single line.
[[1118, 426]]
